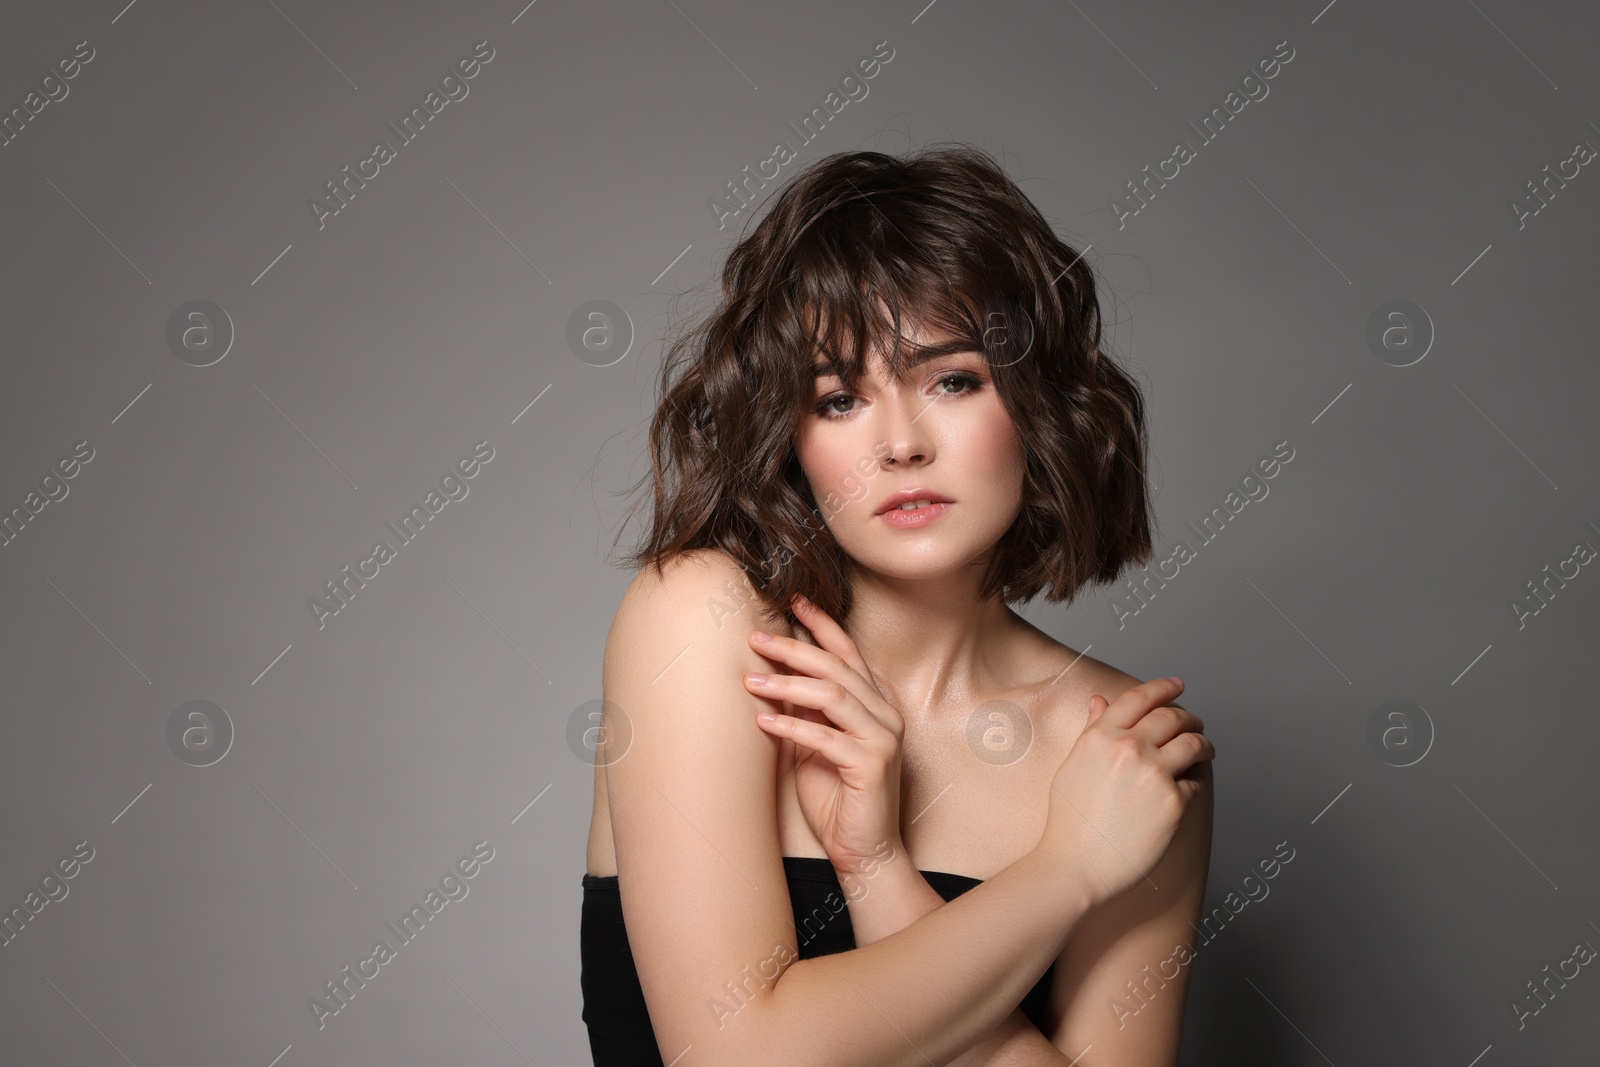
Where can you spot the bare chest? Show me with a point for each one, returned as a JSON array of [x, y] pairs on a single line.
[[974, 784], [974, 787]]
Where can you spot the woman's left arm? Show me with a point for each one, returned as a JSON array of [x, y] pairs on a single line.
[[1120, 985], [848, 786], [894, 895]]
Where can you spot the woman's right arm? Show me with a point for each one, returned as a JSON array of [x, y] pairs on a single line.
[[693, 805]]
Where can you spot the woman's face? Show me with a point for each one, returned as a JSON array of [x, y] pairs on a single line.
[[950, 437]]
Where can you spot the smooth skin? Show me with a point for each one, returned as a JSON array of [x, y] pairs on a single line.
[[1073, 841], [847, 782], [693, 807]]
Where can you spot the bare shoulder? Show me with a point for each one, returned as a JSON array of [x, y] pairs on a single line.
[[692, 794], [681, 636], [1065, 701], [1098, 678], [703, 591], [1082, 676]]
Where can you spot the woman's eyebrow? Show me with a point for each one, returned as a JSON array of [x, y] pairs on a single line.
[[958, 346]]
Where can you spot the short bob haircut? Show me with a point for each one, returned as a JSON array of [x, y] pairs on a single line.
[[943, 238]]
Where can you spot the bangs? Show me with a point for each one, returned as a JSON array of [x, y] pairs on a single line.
[[864, 256], [878, 315]]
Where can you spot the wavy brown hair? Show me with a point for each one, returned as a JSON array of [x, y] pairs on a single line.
[[943, 238]]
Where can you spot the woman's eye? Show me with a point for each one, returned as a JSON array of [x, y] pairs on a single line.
[[971, 380], [826, 409], [964, 384]]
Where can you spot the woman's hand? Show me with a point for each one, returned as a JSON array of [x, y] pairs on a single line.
[[1117, 798], [848, 780]]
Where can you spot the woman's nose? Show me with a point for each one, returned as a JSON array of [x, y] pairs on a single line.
[[903, 430]]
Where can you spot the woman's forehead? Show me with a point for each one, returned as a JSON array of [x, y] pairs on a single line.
[[914, 351]]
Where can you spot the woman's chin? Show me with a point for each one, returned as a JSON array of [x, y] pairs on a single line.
[[927, 563]]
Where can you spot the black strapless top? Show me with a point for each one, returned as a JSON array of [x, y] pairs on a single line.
[[614, 1009]]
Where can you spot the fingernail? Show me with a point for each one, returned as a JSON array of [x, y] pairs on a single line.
[[761, 637], [801, 602], [767, 716], [756, 679]]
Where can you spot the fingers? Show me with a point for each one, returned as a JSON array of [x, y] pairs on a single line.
[[1188, 789], [1186, 750], [834, 700], [1139, 700], [824, 663], [839, 749], [1164, 723], [829, 634], [1191, 784]]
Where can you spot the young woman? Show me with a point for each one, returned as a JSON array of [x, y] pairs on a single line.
[[958, 840]]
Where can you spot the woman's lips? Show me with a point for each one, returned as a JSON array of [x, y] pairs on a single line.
[[908, 518]]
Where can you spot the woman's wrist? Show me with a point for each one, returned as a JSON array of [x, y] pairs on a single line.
[[886, 893], [1072, 886]]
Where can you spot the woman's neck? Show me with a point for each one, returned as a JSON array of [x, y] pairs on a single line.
[[934, 643]]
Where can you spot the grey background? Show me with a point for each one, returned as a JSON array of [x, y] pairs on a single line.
[[430, 313]]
